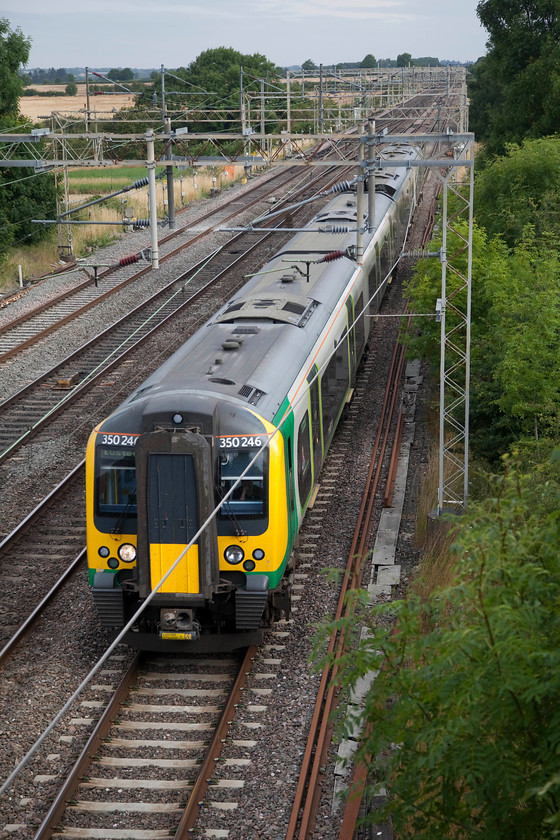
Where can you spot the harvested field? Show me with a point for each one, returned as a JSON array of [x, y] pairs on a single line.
[[41, 107]]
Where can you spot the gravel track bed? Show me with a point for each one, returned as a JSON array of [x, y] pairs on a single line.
[[35, 685], [128, 243], [53, 452]]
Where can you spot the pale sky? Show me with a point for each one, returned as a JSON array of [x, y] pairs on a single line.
[[138, 33]]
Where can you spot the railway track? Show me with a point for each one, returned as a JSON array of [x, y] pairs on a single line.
[[215, 817], [51, 536], [143, 771], [309, 790], [32, 326], [160, 733], [199, 291]]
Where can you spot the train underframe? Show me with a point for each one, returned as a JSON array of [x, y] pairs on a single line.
[[233, 618]]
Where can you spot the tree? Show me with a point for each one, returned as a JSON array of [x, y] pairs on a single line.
[[486, 95], [463, 717], [212, 81], [426, 61], [14, 52], [515, 92], [369, 61], [518, 30], [521, 189], [309, 66], [22, 196], [515, 390], [120, 74], [71, 89], [404, 60]]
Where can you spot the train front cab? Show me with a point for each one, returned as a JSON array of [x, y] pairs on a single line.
[[230, 580]]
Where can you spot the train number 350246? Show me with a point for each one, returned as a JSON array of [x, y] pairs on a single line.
[[119, 440], [241, 442]]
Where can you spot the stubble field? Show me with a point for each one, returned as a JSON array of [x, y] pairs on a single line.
[[41, 107]]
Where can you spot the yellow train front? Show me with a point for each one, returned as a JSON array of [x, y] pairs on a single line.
[[156, 470]]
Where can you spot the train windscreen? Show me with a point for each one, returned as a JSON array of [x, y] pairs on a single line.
[[116, 482], [249, 497]]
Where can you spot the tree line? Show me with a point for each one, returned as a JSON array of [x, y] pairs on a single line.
[[23, 195]]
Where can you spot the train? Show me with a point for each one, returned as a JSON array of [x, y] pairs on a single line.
[[215, 457]]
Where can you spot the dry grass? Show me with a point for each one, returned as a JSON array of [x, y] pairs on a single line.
[[432, 535]]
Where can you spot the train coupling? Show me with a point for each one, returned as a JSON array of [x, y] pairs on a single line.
[[178, 625]]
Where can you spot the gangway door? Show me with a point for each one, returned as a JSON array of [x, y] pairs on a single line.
[[174, 487]]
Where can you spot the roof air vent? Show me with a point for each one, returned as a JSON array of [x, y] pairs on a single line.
[[245, 331], [219, 381]]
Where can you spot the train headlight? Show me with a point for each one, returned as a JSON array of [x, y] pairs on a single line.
[[127, 553], [103, 551], [234, 554], [258, 554]]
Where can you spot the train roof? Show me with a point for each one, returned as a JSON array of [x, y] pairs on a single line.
[[253, 349]]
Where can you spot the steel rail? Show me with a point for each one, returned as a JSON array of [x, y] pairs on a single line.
[[192, 810], [43, 504], [22, 631], [52, 819], [16, 534], [101, 731], [307, 796], [390, 488]]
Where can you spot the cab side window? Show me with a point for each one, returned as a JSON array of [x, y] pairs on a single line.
[[304, 471]]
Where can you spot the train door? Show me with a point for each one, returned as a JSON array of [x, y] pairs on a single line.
[[374, 280], [173, 520], [360, 328], [315, 408], [386, 259], [395, 240], [175, 495], [351, 339]]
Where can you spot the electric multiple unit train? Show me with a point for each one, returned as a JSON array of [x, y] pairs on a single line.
[[215, 456]]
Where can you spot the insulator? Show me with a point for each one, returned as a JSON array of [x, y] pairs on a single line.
[[334, 255], [140, 223], [141, 182], [417, 254], [344, 186], [336, 229], [133, 258]]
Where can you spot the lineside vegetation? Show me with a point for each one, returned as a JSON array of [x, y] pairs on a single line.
[[463, 722]]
